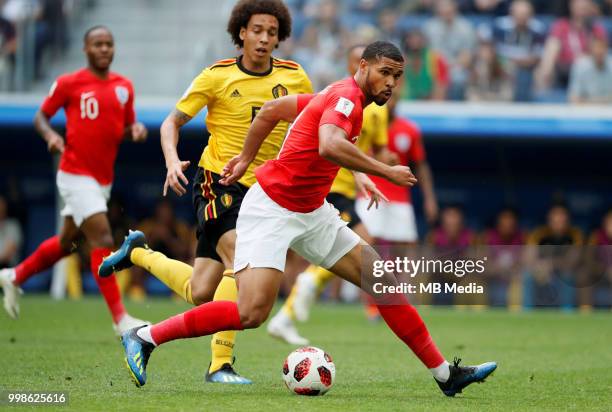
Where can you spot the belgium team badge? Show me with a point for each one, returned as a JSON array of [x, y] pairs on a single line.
[[226, 200], [279, 91]]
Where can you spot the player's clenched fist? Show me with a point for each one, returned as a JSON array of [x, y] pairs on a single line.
[[138, 132], [55, 143], [401, 175]]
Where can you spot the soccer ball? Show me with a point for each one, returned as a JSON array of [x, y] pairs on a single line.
[[309, 371]]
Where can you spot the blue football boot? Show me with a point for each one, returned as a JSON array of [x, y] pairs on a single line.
[[462, 376], [120, 259], [226, 374], [137, 352]]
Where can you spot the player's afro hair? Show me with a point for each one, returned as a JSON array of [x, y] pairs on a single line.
[[244, 9], [379, 49]]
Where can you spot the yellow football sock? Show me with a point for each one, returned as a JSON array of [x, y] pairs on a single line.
[[173, 273], [74, 283], [222, 343], [321, 278]]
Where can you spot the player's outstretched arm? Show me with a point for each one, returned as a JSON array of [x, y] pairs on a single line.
[[334, 146], [55, 143], [169, 132], [271, 113]]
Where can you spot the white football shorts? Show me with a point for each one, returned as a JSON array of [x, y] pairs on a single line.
[[265, 231], [83, 196], [392, 221]]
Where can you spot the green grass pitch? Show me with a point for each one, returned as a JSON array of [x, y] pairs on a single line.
[[547, 360]]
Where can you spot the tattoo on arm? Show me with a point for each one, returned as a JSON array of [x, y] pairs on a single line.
[[179, 117]]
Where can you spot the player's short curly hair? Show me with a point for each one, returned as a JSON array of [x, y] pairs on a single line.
[[244, 9]]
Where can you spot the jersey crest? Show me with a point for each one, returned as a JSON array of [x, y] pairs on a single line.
[[226, 200], [279, 91], [122, 94], [402, 142], [345, 106]]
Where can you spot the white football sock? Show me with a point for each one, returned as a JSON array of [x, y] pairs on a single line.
[[283, 318], [145, 334], [441, 372]]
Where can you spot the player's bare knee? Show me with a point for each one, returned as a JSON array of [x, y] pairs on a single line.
[[252, 320], [201, 292], [252, 316]]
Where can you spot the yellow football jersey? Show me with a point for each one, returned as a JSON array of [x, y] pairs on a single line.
[[233, 96], [373, 132]]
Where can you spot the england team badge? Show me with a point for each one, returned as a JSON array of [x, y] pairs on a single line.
[[122, 94], [402, 142]]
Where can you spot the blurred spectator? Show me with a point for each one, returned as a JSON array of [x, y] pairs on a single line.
[[506, 231], [49, 23], [8, 46], [552, 260], [591, 75], [603, 235], [10, 237], [604, 6], [488, 80], [426, 74], [597, 288], [455, 38], [404, 7], [387, 24], [568, 40], [504, 248], [166, 234], [450, 241], [520, 40], [368, 6], [452, 234], [321, 48], [54, 17], [19, 10], [489, 7]]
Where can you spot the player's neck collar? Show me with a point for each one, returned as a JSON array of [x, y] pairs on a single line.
[[251, 73]]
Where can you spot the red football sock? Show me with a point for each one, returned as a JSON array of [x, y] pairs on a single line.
[[202, 320], [45, 256], [406, 323], [108, 286]]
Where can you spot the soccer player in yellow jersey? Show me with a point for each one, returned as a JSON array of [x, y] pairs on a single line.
[[233, 90], [342, 195]]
